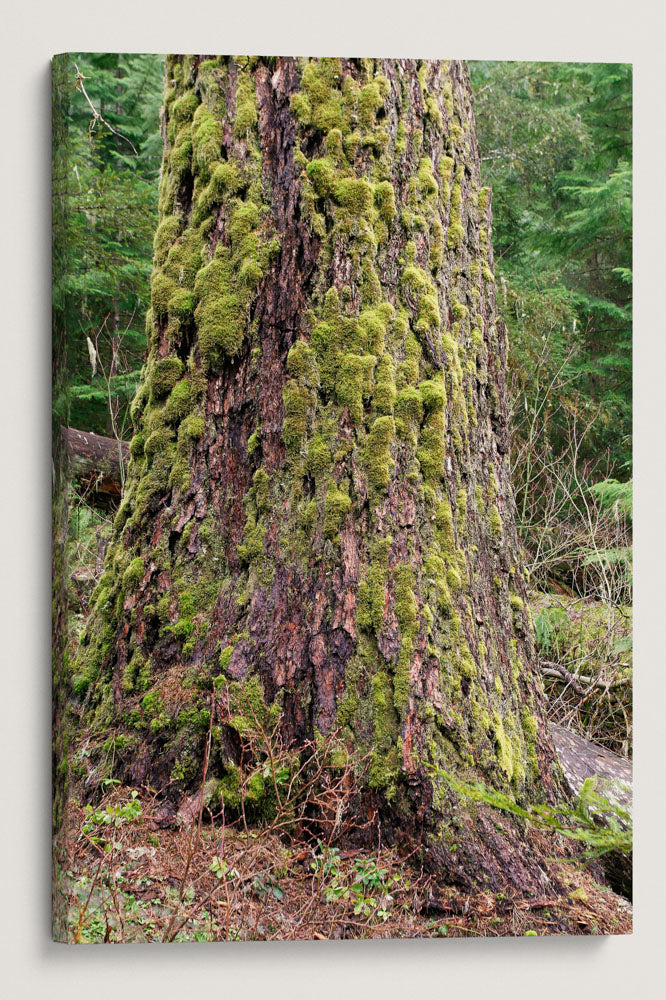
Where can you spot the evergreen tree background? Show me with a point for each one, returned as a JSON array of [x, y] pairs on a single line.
[[111, 221]]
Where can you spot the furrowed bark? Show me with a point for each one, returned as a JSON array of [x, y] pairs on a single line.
[[318, 505]]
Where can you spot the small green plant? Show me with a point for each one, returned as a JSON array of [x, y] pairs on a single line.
[[221, 869], [110, 817], [366, 887]]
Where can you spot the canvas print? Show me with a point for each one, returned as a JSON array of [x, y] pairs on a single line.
[[342, 498]]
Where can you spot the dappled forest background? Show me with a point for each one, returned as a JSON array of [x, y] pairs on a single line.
[[555, 143]]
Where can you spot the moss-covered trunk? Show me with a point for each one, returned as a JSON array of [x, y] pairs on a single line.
[[319, 493]]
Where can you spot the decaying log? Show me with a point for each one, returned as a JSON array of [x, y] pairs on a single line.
[[580, 760], [94, 464]]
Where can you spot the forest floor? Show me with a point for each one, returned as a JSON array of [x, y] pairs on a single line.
[[124, 879]]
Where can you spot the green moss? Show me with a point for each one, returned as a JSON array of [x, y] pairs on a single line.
[[406, 605], [296, 401], [181, 305], [377, 453], [355, 383], [252, 546], [162, 288], [444, 525], [207, 137], [180, 160], [371, 598], [253, 442], [385, 201], [505, 752], [133, 575], [408, 412], [225, 657], [336, 508], [302, 364], [248, 708], [220, 314], [319, 457], [385, 759], [456, 233], [166, 233], [384, 395], [495, 522], [179, 403], [436, 245], [431, 451], [182, 110], [246, 104], [417, 285], [355, 195], [191, 429], [164, 376], [322, 173], [137, 445], [433, 396]]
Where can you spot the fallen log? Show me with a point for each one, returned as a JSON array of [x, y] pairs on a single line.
[[95, 464], [580, 760]]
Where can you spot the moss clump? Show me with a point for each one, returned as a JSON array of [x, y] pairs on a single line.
[[371, 599], [302, 364], [336, 508], [207, 138], [355, 195], [162, 288], [179, 403], [322, 173], [355, 383], [225, 657], [433, 396], [384, 759], [418, 287], [220, 314], [182, 110], [296, 401], [247, 705], [385, 201], [319, 457], [253, 442], [164, 376], [165, 235], [252, 546], [456, 232], [408, 413], [181, 305], [191, 429], [260, 489], [319, 102], [384, 395], [158, 442], [495, 522], [406, 605], [137, 446], [377, 453], [431, 451], [246, 104], [505, 752], [133, 575]]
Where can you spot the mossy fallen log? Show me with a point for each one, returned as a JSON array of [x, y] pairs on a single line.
[[96, 464], [581, 760]]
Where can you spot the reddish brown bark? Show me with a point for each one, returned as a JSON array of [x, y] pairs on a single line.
[[331, 511]]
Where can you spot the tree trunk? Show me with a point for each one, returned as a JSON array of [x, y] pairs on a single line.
[[318, 496]]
